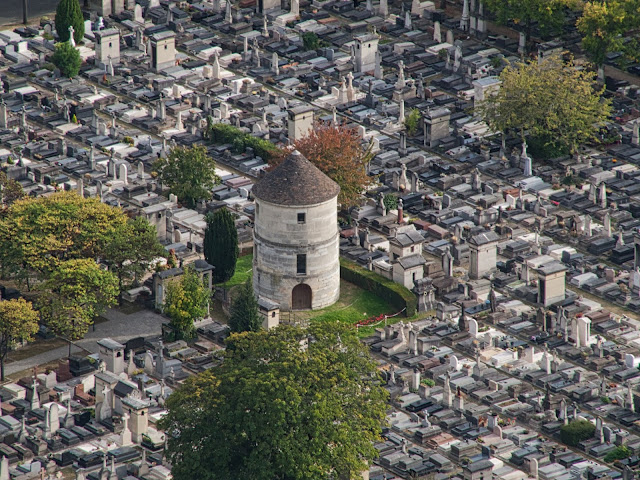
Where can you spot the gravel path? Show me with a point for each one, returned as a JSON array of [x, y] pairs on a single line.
[[119, 327]]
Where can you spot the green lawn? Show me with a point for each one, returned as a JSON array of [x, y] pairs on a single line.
[[244, 267], [354, 304]]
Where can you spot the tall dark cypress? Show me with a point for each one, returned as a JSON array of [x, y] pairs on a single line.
[[244, 310], [68, 13], [221, 244]]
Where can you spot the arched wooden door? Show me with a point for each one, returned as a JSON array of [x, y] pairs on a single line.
[[301, 297]]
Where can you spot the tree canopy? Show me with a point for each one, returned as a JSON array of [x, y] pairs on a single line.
[[190, 173], [131, 249], [67, 59], [10, 191], [602, 25], [186, 300], [577, 431], [68, 13], [287, 404], [76, 292], [244, 310], [548, 14], [551, 100], [221, 244], [338, 152], [18, 321], [39, 233]]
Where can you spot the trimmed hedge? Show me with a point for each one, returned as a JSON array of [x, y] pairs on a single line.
[[220, 133], [394, 293]]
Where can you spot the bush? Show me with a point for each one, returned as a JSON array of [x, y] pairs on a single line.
[[221, 133], [577, 431], [310, 41], [394, 293], [412, 122], [618, 453], [67, 59]]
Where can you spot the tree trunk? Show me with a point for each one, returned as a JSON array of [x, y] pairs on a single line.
[[4, 350]]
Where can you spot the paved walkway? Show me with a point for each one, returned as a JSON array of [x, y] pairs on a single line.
[[119, 327]]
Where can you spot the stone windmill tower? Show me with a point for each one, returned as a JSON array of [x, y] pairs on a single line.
[[295, 256]]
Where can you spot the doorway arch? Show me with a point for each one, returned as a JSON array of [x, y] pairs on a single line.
[[301, 297]]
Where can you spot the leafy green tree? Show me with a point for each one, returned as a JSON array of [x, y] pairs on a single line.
[[37, 234], [74, 295], [244, 310], [548, 14], [287, 404], [550, 100], [412, 122], [221, 244], [190, 173], [602, 25], [576, 431], [186, 300], [10, 191], [18, 322], [69, 13], [131, 249], [67, 59]]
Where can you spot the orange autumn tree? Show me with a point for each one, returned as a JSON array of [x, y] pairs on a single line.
[[338, 152]]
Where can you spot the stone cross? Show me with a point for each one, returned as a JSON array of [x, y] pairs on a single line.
[[72, 41]]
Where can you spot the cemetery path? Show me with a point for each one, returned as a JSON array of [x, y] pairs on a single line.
[[119, 326]]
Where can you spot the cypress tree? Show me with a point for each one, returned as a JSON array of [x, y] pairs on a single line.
[[68, 13], [244, 310], [221, 244]]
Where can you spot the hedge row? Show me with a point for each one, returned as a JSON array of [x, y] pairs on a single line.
[[221, 133], [394, 293]]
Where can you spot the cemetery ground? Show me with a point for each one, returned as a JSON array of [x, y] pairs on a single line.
[[355, 304], [117, 324], [244, 267]]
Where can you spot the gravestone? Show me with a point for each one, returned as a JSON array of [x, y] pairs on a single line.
[[54, 418], [148, 363], [454, 363], [125, 435], [137, 14], [473, 327]]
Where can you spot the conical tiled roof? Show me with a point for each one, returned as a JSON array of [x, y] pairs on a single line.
[[296, 181]]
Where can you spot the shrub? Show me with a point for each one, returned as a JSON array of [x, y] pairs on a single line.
[[67, 59], [618, 453], [577, 431], [310, 41], [221, 133], [394, 293], [412, 122]]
